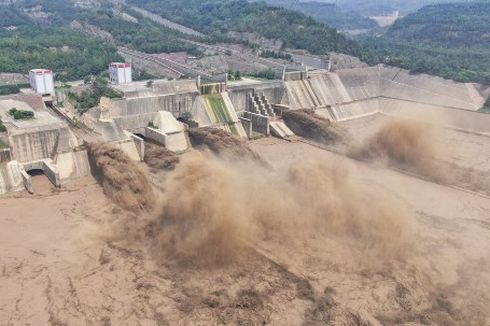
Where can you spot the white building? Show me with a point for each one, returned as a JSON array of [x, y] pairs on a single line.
[[41, 81], [120, 73]]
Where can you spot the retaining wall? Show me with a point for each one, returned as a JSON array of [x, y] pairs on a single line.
[[134, 122], [176, 104], [71, 165], [38, 145], [247, 126], [260, 123], [239, 95]]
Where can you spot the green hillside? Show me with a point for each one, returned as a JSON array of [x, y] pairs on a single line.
[[39, 31], [447, 25], [29, 42], [449, 40], [142, 35], [327, 13], [12, 17], [71, 54], [218, 17], [380, 7]]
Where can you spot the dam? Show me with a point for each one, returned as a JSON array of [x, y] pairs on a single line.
[[162, 110], [249, 107]]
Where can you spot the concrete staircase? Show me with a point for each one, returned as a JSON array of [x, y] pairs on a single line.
[[260, 105], [260, 111]]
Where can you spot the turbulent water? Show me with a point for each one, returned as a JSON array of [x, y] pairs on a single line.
[[225, 238], [308, 124], [159, 158], [221, 143], [121, 179], [405, 144]]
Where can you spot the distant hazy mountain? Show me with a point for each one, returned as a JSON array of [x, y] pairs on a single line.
[[451, 40], [379, 7], [327, 13], [453, 25]]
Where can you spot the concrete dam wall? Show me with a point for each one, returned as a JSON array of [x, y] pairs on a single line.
[[239, 95], [401, 84], [40, 144], [325, 89], [358, 92], [339, 96], [352, 110], [453, 118], [177, 104]]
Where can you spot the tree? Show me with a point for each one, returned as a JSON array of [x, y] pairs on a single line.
[[87, 80], [2, 126], [21, 114], [90, 97]]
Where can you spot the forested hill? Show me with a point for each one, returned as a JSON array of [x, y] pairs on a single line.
[[218, 17], [448, 40], [34, 34], [328, 13], [37, 32], [380, 7], [447, 25]]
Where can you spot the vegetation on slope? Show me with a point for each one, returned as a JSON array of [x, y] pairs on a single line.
[[328, 13], [447, 25], [449, 40], [91, 97], [218, 17], [142, 35], [59, 11], [70, 54], [381, 7], [275, 55], [12, 89], [267, 74], [75, 56], [11, 17]]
